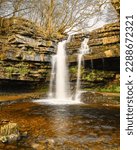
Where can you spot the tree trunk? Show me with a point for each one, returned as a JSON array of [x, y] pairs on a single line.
[[50, 17]]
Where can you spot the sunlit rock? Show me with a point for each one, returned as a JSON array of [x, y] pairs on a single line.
[[9, 133]]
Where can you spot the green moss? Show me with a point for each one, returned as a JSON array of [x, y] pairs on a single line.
[[96, 75], [23, 71], [113, 88], [73, 70], [9, 70]]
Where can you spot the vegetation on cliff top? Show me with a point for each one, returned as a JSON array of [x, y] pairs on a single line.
[[57, 17]]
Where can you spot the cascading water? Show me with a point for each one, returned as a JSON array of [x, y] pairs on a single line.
[[52, 76], [59, 75], [62, 82], [83, 50]]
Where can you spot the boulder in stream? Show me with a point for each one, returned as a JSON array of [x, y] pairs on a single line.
[[9, 133]]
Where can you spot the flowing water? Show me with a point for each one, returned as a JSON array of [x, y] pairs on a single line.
[[74, 127], [62, 82], [83, 50], [59, 77], [63, 127], [60, 74], [52, 76]]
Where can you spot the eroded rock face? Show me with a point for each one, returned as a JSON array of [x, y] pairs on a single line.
[[102, 63], [24, 51], [103, 42]]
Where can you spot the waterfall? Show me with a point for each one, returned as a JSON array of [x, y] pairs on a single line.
[[62, 82], [84, 49], [59, 73], [60, 76], [52, 76]]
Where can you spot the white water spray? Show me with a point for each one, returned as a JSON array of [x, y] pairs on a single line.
[[62, 82], [52, 76], [83, 50], [59, 76]]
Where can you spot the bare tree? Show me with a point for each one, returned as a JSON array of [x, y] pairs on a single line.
[[67, 15], [58, 15], [12, 8]]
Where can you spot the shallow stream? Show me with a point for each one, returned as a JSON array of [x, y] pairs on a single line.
[[64, 127]]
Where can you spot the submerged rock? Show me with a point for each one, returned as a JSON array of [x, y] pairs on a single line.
[[44, 144], [37, 146], [9, 133], [50, 142]]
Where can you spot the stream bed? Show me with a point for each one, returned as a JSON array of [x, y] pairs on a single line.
[[63, 127]]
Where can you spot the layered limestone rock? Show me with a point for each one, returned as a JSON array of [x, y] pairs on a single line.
[[102, 65], [103, 42], [24, 51], [96, 78]]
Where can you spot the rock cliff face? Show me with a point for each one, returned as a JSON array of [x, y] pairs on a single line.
[[24, 51], [102, 64], [103, 42], [25, 54]]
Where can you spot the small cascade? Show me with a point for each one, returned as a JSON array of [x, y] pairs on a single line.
[[52, 76], [83, 50]]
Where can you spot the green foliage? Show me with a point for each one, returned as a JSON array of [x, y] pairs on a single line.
[[23, 71], [109, 89], [96, 75], [73, 70], [9, 70], [113, 88]]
